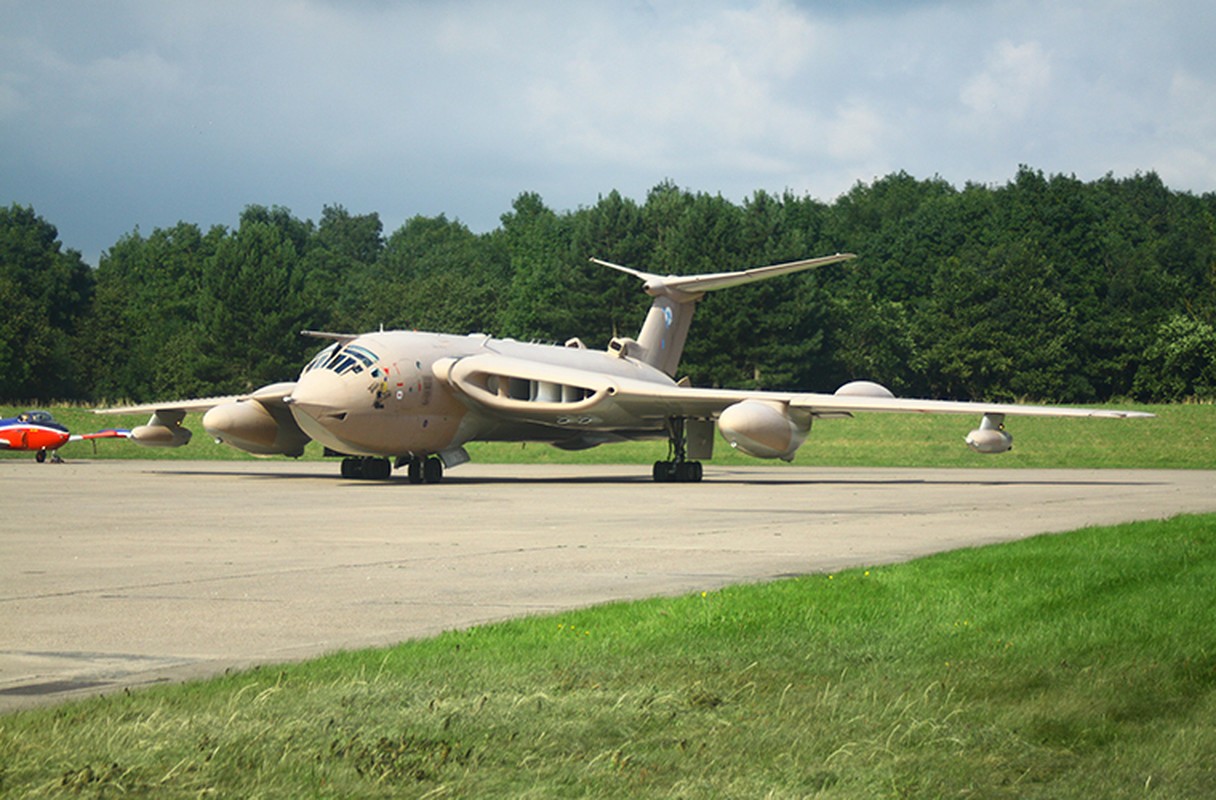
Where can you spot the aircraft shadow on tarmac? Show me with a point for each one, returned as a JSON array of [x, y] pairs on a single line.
[[725, 477]]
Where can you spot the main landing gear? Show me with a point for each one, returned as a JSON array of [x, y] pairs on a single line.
[[429, 470], [419, 470], [371, 469], [678, 469]]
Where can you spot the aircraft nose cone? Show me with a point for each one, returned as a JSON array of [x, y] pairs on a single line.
[[321, 395]]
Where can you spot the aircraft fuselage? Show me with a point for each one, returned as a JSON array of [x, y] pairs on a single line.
[[413, 399], [379, 394]]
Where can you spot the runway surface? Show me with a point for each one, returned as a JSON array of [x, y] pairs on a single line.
[[127, 573]]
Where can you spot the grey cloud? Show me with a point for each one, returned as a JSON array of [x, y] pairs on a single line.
[[143, 113]]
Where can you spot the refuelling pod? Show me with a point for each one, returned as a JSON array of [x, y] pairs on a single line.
[[990, 436], [265, 430], [764, 429], [164, 429]]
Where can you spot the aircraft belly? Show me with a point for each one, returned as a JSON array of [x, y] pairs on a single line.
[[382, 432]]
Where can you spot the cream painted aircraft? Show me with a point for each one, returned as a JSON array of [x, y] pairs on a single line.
[[413, 399]]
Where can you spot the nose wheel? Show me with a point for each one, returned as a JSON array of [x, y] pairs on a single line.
[[419, 470]]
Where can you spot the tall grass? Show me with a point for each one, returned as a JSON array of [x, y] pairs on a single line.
[[1073, 666]]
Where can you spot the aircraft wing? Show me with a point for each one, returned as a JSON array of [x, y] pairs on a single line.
[[275, 392], [194, 404], [821, 404], [651, 400], [258, 422], [565, 397]]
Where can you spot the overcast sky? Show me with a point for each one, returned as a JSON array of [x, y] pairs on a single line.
[[141, 113]]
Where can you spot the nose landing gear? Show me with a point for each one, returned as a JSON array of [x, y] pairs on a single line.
[[419, 470]]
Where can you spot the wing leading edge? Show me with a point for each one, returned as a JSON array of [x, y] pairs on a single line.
[[552, 395]]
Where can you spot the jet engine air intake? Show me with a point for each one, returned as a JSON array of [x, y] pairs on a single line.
[[764, 429], [512, 385], [990, 436]]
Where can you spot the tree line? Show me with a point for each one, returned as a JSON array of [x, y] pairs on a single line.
[[1046, 288]]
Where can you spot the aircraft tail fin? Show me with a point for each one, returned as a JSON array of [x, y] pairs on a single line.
[[661, 340]]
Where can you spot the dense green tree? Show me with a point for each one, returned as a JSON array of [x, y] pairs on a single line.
[[1047, 288], [299, 232], [612, 230], [44, 292], [336, 261], [435, 274], [140, 342], [249, 310], [542, 300], [1180, 362]]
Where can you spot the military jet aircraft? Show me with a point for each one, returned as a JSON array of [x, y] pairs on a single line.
[[414, 399], [38, 431]]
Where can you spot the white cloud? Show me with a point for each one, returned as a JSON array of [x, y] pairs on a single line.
[[672, 89], [1015, 78], [1189, 132], [855, 133]]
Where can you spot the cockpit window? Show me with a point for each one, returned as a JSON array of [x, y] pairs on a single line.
[[351, 358], [367, 357], [321, 357]]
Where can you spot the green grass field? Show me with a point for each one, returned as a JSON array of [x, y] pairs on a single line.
[[1181, 437], [1068, 666]]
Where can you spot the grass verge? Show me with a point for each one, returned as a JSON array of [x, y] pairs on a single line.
[[1182, 437], [1079, 665]]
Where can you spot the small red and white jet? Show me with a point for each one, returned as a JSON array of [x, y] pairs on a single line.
[[38, 431]]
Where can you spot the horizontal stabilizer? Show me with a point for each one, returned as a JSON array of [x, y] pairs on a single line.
[[660, 343], [672, 285]]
